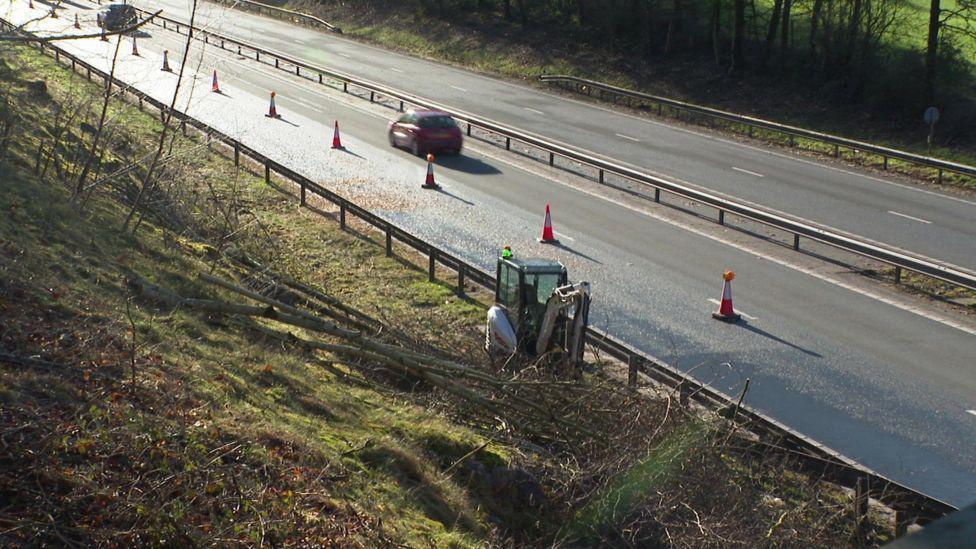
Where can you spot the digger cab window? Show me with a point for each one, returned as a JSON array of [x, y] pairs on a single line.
[[508, 287], [538, 289]]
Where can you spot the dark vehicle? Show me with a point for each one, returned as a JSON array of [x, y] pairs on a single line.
[[426, 131], [117, 16]]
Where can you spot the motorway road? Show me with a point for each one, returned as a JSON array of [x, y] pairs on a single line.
[[882, 209], [868, 373]]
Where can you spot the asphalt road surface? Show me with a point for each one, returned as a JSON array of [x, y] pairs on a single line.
[[877, 376], [882, 209]]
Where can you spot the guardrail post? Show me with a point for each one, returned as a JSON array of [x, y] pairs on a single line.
[[836, 151], [897, 275], [73, 64], [401, 106], [601, 176], [89, 72], [901, 523], [632, 371], [372, 96], [257, 56], [792, 141], [303, 192], [342, 215], [940, 176], [238, 49], [320, 78], [885, 162], [657, 195], [431, 264], [721, 217], [237, 154], [140, 102], [460, 288], [345, 87], [164, 21], [276, 62], [796, 242], [267, 171], [860, 504], [389, 240], [469, 129], [206, 38], [222, 43], [660, 109], [552, 158], [750, 130], [508, 143], [297, 70]]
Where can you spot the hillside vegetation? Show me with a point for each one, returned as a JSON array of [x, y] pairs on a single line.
[[128, 420]]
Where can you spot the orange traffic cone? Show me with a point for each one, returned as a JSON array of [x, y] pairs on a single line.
[[429, 183], [548, 237], [272, 111], [215, 87], [725, 311], [135, 47], [77, 24], [166, 61], [336, 142]]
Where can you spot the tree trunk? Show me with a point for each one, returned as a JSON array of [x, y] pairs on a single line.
[[784, 32], [932, 51], [771, 32], [738, 34], [814, 26], [716, 27]]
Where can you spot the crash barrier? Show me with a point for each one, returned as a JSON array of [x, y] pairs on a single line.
[[264, 9], [281, 13], [899, 259], [587, 87], [911, 506]]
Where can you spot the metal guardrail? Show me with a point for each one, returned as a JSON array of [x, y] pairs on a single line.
[[283, 13], [582, 85], [799, 228], [910, 505]]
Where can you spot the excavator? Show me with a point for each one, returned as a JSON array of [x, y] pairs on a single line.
[[537, 312]]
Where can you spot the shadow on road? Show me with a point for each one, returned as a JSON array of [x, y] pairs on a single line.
[[766, 334], [467, 164], [454, 196], [569, 249], [63, 3], [347, 151]]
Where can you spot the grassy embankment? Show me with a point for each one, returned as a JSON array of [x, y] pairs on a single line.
[[126, 423]]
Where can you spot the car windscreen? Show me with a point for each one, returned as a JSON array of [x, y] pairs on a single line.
[[436, 122]]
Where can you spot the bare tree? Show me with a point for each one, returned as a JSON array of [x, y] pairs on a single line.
[[148, 180]]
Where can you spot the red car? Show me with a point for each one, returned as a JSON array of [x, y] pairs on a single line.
[[426, 131]]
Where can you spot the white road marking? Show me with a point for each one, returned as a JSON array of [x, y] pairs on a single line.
[[906, 216], [928, 315], [561, 235], [748, 172], [459, 88], [627, 137], [719, 303], [346, 55], [932, 316], [533, 110], [298, 41], [394, 69]]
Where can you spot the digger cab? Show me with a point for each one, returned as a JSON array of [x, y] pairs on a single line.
[[522, 289]]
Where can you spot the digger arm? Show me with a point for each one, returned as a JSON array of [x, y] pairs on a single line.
[[563, 298]]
